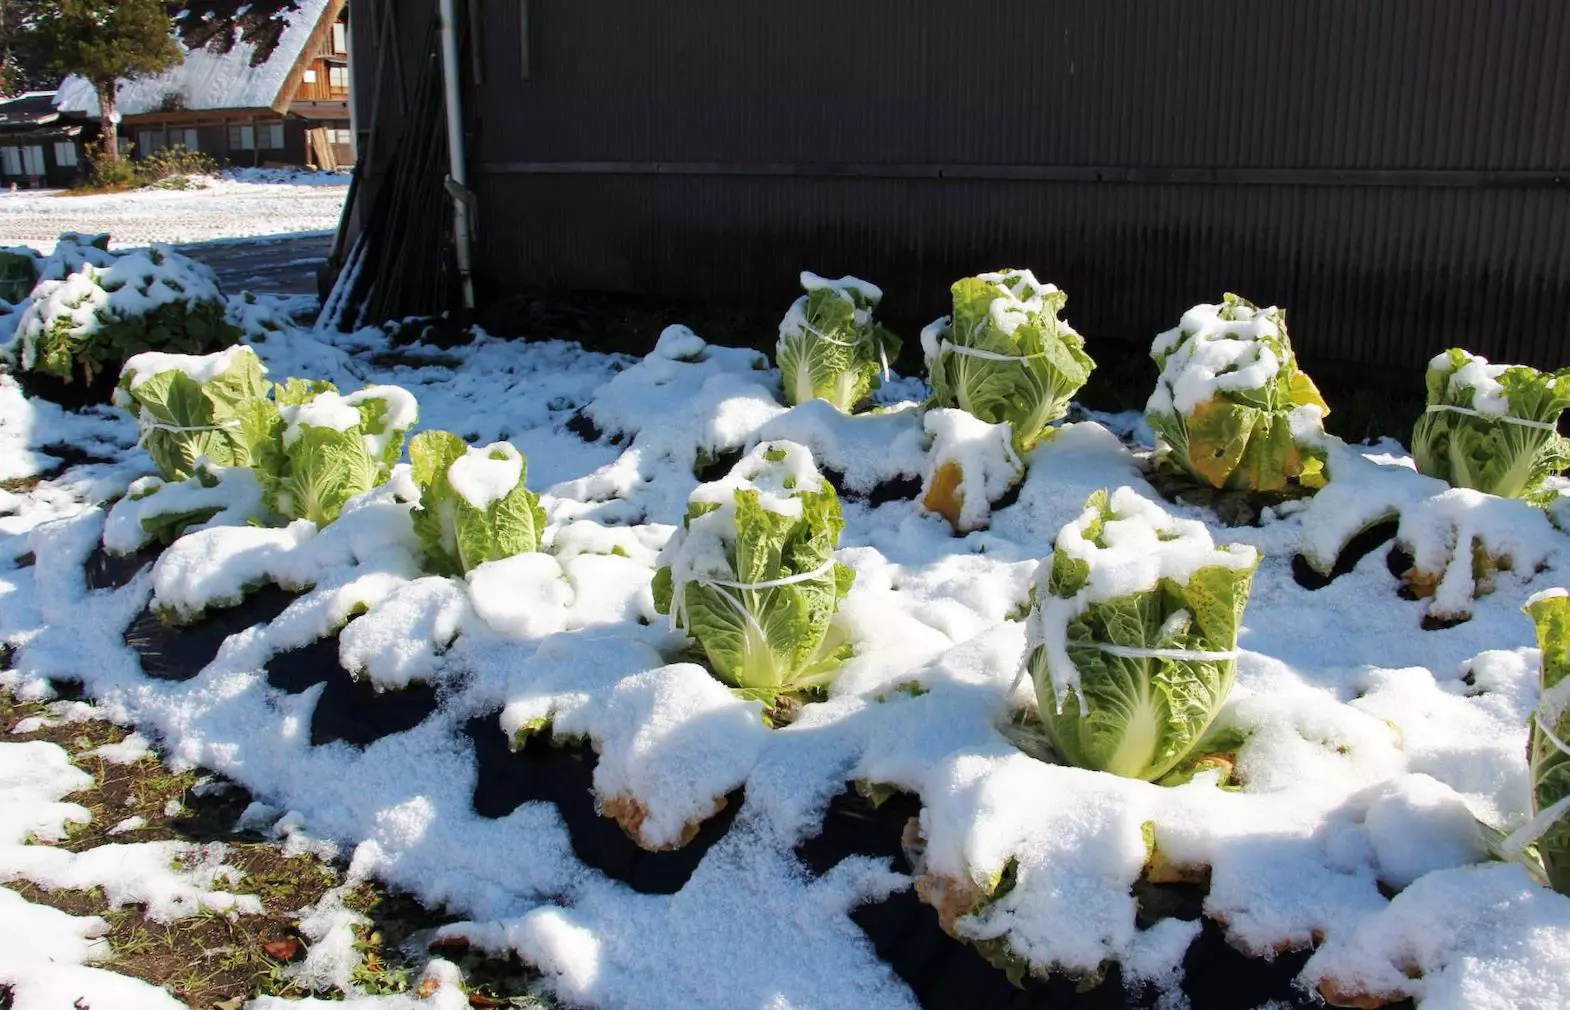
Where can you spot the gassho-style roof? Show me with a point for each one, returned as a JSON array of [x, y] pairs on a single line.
[[209, 80], [35, 108]]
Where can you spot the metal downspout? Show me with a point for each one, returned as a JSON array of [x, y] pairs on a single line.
[[458, 169]]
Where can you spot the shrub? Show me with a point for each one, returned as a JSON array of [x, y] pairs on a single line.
[[95, 309]]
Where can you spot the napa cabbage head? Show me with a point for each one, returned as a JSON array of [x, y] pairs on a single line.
[[474, 505], [1550, 727], [195, 407], [1133, 632], [830, 347], [1491, 427], [1005, 355], [1231, 406], [751, 575], [323, 448]]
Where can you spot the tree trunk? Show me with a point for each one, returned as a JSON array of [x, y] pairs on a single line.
[[109, 135]]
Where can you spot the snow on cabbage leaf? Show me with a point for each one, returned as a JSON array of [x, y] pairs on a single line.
[[1004, 355], [93, 309], [322, 449], [1231, 405], [1133, 631], [829, 345], [751, 575], [155, 510], [474, 506], [1492, 427], [193, 407], [1550, 762]]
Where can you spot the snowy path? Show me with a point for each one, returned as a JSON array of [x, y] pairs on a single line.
[[274, 266], [240, 205]]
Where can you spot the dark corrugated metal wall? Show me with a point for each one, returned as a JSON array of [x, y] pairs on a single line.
[[1389, 170]]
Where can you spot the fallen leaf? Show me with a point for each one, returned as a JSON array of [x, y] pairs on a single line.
[[286, 949]]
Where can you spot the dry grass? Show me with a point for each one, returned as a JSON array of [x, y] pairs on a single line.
[[211, 960]]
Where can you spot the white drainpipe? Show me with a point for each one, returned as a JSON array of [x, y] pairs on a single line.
[[458, 170]]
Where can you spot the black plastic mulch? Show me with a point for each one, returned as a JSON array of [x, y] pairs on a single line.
[[104, 570], [179, 653], [1358, 548], [348, 709], [945, 973], [563, 774]]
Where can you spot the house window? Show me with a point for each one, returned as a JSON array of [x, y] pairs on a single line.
[[271, 138], [310, 77], [33, 161], [242, 138], [338, 136], [338, 78], [65, 153], [151, 141], [340, 37], [11, 160], [184, 137]]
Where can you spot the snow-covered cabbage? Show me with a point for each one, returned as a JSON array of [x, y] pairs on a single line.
[[829, 345], [1004, 355], [751, 575], [191, 407], [1550, 762], [1133, 629], [474, 506], [323, 448], [1231, 405], [970, 465], [155, 510], [94, 309], [1491, 427]]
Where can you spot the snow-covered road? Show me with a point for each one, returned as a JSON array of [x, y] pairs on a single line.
[[243, 204]]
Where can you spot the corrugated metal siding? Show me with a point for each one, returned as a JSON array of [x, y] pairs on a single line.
[[1392, 171]]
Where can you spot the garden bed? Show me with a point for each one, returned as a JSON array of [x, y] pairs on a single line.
[[540, 750]]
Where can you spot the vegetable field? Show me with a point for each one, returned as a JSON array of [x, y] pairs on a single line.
[[706, 680]]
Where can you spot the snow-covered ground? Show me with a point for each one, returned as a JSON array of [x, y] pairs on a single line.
[[242, 204], [1376, 750]]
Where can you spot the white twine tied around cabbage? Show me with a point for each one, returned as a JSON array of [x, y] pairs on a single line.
[[1514, 845], [965, 350], [1434, 408], [883, 357], [679, 593], [146, 424]]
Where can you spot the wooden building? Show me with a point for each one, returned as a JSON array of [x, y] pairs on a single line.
[[292, 109], [40, 146], [1394, 172]]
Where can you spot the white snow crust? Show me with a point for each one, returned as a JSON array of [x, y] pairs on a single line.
[[1373, 746]]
